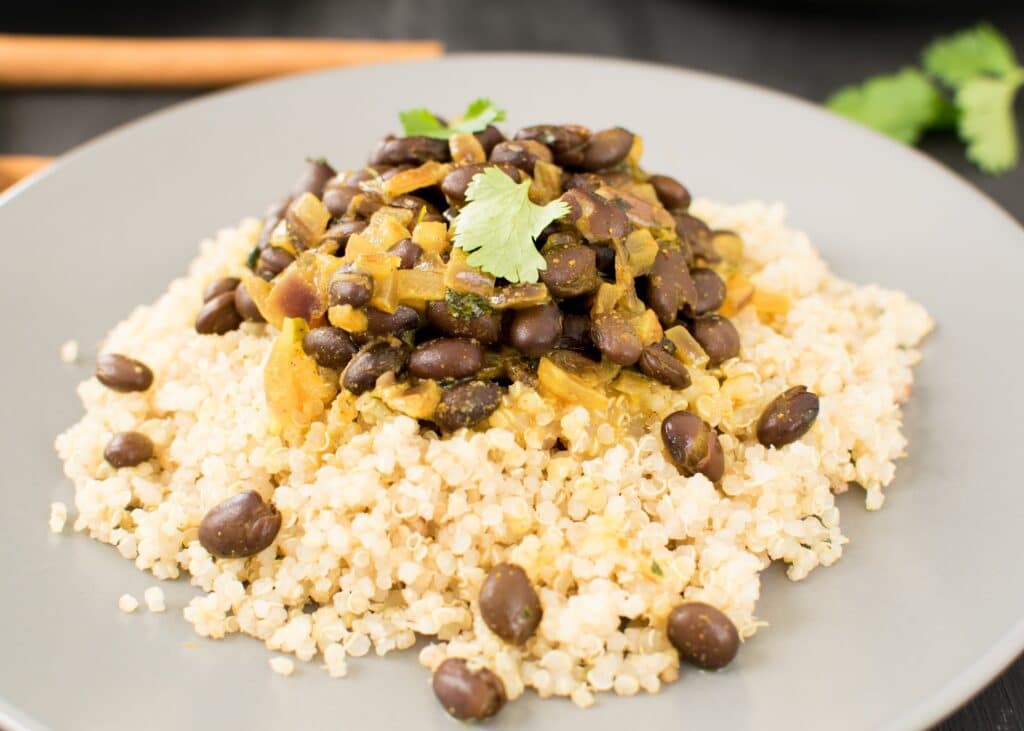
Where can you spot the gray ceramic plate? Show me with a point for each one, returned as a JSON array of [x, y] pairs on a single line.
[[925, 607]]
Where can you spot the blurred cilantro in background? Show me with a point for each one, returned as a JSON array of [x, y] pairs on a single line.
[[968, 83]]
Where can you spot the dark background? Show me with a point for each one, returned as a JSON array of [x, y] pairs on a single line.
[[805, 48]]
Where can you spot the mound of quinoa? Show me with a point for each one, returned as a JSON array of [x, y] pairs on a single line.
[[389, 531]]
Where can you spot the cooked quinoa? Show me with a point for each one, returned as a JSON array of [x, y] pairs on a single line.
[[389, 530]]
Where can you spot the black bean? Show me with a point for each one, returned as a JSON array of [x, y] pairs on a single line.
[[587, 182], [387, 173], [220, 286], [535, 330], [710, 290], [509, 604], [669, 286], [522, 371], [408, 252], [372, 362], [243, 525], [566, 143], [446, 358], [218, 316], [318, 172], [605, 259], [466, 694], [364, 174], [788, 417], [486, 327], [246, 306], [661, 365], [337, 200], [490, 137], [410, 151], [271, 218], [672, 194], [523, 154], [697, 236], [365, 205], [693, 445], [342, 231], [607, 148], [594, 217], [571, 270], [575, 333], [703, 635], [127, 449], [467, 404], [273, 261], [330, 347], [416, 204], [455, 183], [616, 339], [717, 336], [124, 374], [379, 322]]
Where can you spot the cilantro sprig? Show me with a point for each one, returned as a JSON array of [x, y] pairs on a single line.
[[981, 72], [499, 225], [422, 122]]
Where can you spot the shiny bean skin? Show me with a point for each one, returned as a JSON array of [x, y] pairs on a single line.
[[128, 449], [486, 328], [330, 347], [337, 200], [408, 252], [571, 270], [535, 330], [218, 316], [467, 404], [672, 194], [509, 604], [379, 322], [703, 635], [788, 417], [697, 235], [342, 231], [350, 289], [246, 305], [272, 262], [220, 286], [669, 286], [523, 154], [607, 148], [372, 362], [594, 217], [446, 358], [693, 445], [410, 151], [468, 695], [242, 525], [718, 336], [661, 365], [566, 143], [575, 333], [455, 183], [490, 137], [318, 172], [710, 290], [616, 339], [121, 373]]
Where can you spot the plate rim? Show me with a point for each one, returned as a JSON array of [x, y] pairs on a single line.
[[962, 687]]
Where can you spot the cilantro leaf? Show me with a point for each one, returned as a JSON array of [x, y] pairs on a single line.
[[499, 224], [959, 58], [901, 105], [987, 122], [421, 122]]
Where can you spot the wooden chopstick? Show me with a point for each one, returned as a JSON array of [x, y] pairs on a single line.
[[80, 61], [15, 167]]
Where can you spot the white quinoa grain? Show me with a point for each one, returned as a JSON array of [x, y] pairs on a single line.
[[127, 603], [154, 598], [282, 665], [58, 516], [69, 351], [388, 531]]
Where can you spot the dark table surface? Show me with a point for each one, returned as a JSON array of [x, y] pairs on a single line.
[[806, 49]]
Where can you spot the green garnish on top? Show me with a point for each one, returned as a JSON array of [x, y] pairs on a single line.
[[499, 225], [980, 69], [422, 123]]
